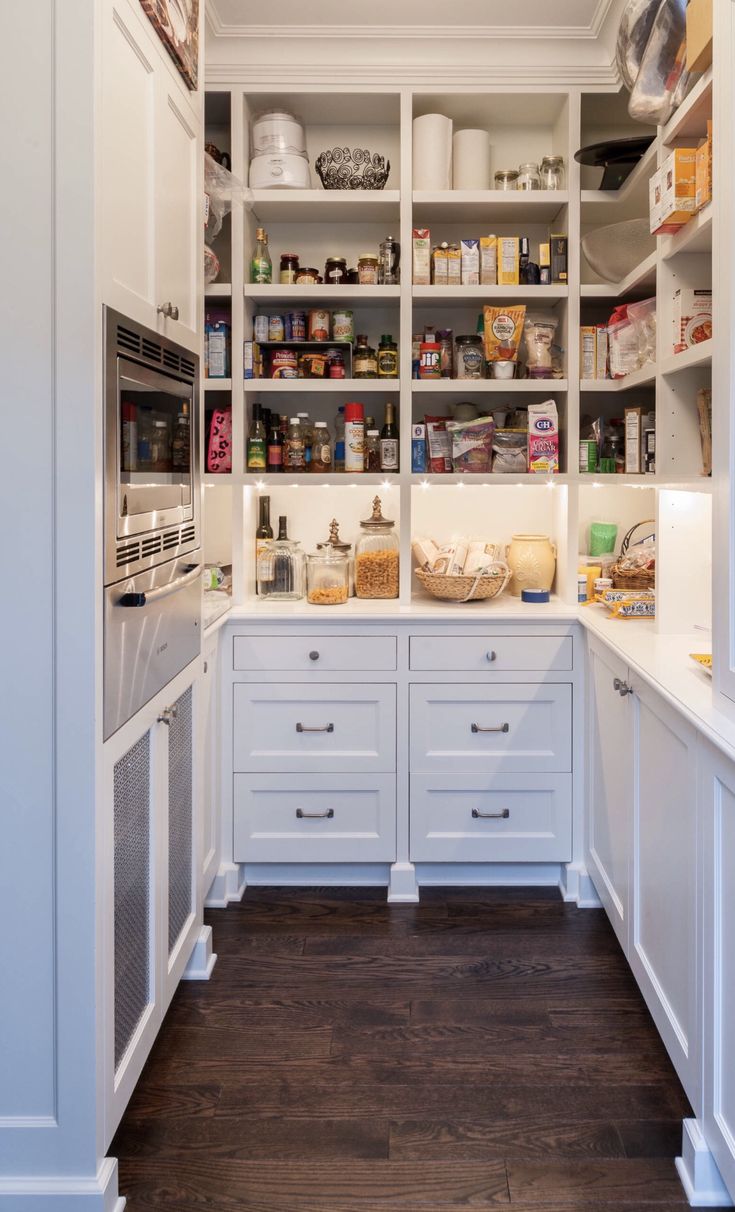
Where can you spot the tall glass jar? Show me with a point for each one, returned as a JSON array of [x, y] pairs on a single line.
[[282, 568], [376, 557], [552, 172], [327, 577], [529, 176]]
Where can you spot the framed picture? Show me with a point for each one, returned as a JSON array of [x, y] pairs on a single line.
[[177, 24]]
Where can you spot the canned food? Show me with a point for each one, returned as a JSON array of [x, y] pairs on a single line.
[[276, 330], [343, 326], [318, 325], [295, 325], [284, 364], [260, 329]]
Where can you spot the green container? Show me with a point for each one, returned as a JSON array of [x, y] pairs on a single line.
[[587, 455], [603, 537]]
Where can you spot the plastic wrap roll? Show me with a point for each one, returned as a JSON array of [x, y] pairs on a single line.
[[471, 159], [432, 152]]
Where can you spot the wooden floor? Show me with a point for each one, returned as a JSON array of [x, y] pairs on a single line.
[[488, 1047]]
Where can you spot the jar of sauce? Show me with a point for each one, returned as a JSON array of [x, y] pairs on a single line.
[[470, 357], [335, 271], [335, 364], [387, 358], [289, 268], [365, 362], [367, 270], [307, 276]]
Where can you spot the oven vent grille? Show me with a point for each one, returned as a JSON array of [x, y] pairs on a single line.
[[188, 368], [151, 351], [127, 339], [188, 534], [127, 554], [150, 546], [171, 539]]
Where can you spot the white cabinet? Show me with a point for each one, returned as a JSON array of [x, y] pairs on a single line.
[[150, 187], [663, 945], [610, 786], [210, 764], [717, 799], [150, 852]]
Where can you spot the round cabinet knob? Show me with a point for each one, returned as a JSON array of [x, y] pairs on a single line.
[[169, 310], [491, 656], [314, 656]]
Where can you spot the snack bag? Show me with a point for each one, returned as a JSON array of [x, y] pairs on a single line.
[[472, 444], [439, 444], [503, 329], [543, 438]]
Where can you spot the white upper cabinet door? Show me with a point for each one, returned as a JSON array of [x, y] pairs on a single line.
[[610, 786], [663, 952], [128, 168], [179, 207]]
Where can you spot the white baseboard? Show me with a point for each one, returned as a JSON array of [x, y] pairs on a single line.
[[228, 885], [317, 875], [403, 888], [202, 958], [700, 1178], [576, 885], [63, 1193]]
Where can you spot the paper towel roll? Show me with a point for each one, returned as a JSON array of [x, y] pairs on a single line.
[[471, 160], [432, 152]]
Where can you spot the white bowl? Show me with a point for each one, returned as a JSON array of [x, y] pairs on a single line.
[[612, 252]]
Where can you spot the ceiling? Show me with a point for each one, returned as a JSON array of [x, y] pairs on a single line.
[[408, 18]]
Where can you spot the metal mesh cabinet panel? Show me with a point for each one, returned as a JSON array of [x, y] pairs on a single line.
[[132, 820], [180, 813]]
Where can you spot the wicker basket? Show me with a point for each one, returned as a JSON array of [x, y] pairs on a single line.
[[466, 589], [639, 578]]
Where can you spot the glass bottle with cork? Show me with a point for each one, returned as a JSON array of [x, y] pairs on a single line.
[[274, 450], [261, 266], [389, 440], [263, 532], [256, 446]]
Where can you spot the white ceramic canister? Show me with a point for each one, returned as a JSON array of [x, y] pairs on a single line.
[[532, 561]]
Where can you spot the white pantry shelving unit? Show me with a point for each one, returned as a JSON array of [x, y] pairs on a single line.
[[526, 123]]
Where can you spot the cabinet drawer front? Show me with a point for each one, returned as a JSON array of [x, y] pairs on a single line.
[[502, 819], [315, 653], [314, 819], [492, 653], [325, 727], [497, 727]]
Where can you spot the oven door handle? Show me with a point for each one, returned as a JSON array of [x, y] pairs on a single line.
[[155, 595]]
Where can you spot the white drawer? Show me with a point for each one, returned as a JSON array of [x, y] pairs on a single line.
[[316, 653], [296, 727], [492, 653], [317, 818], [501, 819], [509, 728]]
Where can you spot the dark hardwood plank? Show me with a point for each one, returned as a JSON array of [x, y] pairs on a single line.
[[222, 1046], [231, 1009], [477, 942], [474, 1139], [256, 1138], [651, 1138], [649, 1181], [186, 1100], [459, 1041], [491, 1008]]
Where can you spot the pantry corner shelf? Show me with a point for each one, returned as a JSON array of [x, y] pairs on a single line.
[[353, 386], [325, 205], [690, 119], [461, 386], [641, 278], [486, 205], [694, 237], [698, 355], [642, 377], [602, 206], [462, 294], [218, 290]]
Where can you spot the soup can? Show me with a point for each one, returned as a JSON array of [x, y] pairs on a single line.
[[260, 329], [276, 331], [284, 364], [295, 325], [318, 325], [343, 325]]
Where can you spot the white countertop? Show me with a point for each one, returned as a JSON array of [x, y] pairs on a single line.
[[215, 608], [361, 610]]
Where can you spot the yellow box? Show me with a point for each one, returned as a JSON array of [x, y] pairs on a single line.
[[679, 186], [488, 260], [508, 260], [703, 170], [440, 266], [699, 35], [454, 266]]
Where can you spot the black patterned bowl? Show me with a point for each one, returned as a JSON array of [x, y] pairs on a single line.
[[352, 168]]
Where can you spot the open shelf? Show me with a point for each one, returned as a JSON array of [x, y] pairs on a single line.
[[356, 386], [497, 478], [488, 206], [515, 294], [601, 206], [694, 237], [218, 290], [217, 384], [642, 277], [326, 205], [366, 296], [698, 355], [690, 119], [439, 386], [639, 378]]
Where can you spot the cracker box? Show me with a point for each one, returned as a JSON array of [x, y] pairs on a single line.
[[692, 318], [699, 35], [655, 199], [488, 260], [633, 441], [421, 244], [678, 187], [470, 262], [703, 171], [440, 265], [454, 265], [601, 363], [543, 438], [587, 351], [508, 261]]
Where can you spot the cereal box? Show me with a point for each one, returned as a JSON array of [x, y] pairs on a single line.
[[421, 243], [587, 351], [488, 260]]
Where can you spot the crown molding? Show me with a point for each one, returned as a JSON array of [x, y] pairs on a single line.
[[272, 75], [495, 33]]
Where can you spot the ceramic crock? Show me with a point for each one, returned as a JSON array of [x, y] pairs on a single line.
[[532, 561]]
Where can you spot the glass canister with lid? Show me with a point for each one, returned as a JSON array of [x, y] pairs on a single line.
[[470, 361], [327, 577], [552, 172], [506, 178], [336, 542], [281, 568], [529, 176], [377, 556]]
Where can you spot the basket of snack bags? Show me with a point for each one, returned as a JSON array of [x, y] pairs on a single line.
[[635, 567], [462, 570]]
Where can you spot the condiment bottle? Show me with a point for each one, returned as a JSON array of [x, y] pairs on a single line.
[[296, 458], [372, 450], [261, 266], [354, 437], [274, 450], [387, 358], [256, 441], [365, 362], [307, 437], [389, 441], [321, 449]]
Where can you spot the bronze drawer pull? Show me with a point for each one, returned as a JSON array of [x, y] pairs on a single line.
[[315, 816], [324, 728], [498, 728], [490, 816]]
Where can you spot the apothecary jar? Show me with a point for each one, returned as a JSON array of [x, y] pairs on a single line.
[[376, 557]]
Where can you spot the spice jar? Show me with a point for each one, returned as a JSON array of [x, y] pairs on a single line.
[[335, 271], [367, 269], [446, 352], [430, 360], [470, 357], [336, 543], [327, 577], [552, 172], [365, 362], [376, 557], [307, 276], [387, 358], [289, 268], [529, 176], [506, 178]]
